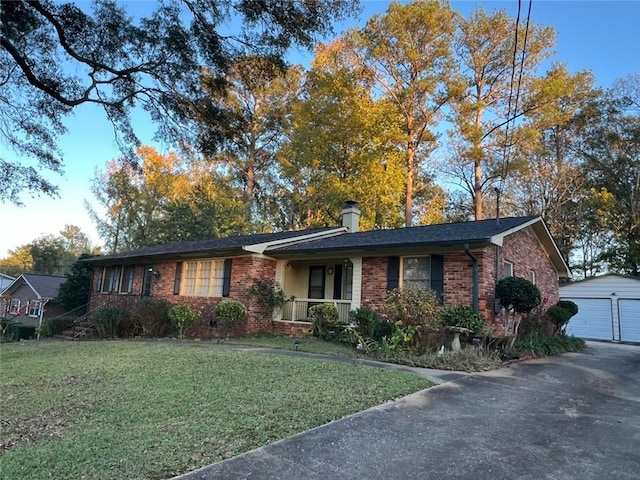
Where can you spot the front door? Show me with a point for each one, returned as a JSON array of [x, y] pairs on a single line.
[[316, 282]]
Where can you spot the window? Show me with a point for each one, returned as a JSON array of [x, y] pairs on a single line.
[[111, 279], [416, 272], [203, 278], [34, 309], [507, 269], [126, 286], [14, 306]]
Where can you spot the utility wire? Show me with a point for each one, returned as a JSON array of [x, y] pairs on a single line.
[[507, 147]]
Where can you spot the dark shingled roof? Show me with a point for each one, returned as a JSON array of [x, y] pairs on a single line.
[[441, 234], [203, 246], [45, 285]]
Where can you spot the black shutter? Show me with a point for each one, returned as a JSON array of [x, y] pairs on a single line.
[[437, 276], [226, 278], [393, 273], [337, 282], [176, 281]]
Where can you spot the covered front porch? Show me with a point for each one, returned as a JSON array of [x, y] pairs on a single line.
[[311, 282]]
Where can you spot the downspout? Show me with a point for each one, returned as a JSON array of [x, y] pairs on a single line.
[[474, 292]]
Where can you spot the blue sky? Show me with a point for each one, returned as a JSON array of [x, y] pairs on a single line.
[[601, 36]]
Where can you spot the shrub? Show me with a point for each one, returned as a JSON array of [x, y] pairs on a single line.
[[518, 294], [416, 307], [462, 316], [365, 320], [569, 305], [381, 330], [541, 345], [182, 317], [521, 296], [151, 318], [110, 322], [230, 313], [325, 317], [54, 326], [561, 313], [269, 295]]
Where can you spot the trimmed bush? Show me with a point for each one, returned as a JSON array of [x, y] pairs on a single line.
[[150, 318], [325, 318], [229, 314], [561, 313], [182, 317], [518, 294], [462, 316], [568, 305], [110, 322]]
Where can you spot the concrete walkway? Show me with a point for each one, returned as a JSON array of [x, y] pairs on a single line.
[[576, 416]]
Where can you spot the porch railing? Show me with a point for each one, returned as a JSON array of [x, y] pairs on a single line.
[[297, 310]]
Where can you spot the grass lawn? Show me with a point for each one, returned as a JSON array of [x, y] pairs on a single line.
[[116, 410], [310, 345]]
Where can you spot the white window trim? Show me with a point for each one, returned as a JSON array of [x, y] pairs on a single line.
[[215, 279], [533, 277], [14, 306], [504, 273], [34, 305]]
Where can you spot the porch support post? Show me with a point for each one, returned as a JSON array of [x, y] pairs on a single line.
[[281, 267], [356, 296]]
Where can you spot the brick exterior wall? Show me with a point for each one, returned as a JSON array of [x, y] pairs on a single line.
[[374, 282], [521, 248], [244, 270]]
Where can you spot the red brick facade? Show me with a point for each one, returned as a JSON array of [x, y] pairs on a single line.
[[521, 248]]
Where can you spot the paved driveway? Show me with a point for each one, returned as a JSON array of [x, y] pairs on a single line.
[[571, 417]]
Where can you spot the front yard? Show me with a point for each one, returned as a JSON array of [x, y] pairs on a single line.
[[152, 410]]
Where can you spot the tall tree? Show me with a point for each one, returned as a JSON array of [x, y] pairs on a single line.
[[341, 145], [132, 199], [254, 105], [48, 255], [611, 152], [549, 181], [55, 57], [408, 56], [494, 71], [18, 261]]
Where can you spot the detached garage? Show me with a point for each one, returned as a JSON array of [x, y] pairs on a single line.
[[609, 308]]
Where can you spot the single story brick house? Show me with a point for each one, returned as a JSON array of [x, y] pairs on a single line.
[[346, 267], [31, 298]]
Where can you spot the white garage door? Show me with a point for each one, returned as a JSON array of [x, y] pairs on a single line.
[[593, 319], [629, 312]]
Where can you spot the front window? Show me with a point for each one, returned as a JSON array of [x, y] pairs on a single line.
[[14, 306], [111, 279], [126, 286], [416, 272], [35, 308], [203, 278], [507, 269]]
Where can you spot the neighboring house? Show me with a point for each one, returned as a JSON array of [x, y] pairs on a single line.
[[609, 307], [460, 261], [31, 297], [5, 281]]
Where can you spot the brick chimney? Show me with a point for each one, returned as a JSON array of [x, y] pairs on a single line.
[[351, 216]]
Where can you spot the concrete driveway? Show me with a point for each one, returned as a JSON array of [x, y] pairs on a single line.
[[571, 417]]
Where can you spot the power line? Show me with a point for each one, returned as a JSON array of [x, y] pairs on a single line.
[[510, 115]]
